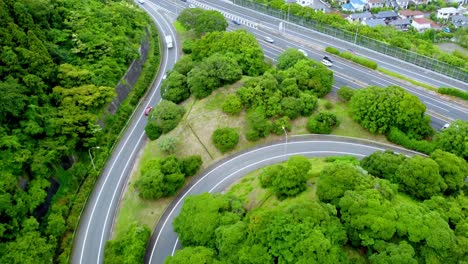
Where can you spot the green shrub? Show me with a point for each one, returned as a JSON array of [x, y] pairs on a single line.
[[252, 135], [277, 126], [332, 50], [225, 139], [328, 105], [153, 131], [454, 92], [168, 145], [191, 165], [187, 46], [345, 93], [232, 105], [322, 123], [398, 137]]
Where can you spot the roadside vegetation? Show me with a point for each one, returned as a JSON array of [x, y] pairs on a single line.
[[385, 208], [60, 62]]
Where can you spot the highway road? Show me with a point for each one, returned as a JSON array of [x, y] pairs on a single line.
[[321, 41], [440, 109], [219, 176], [98, 217]]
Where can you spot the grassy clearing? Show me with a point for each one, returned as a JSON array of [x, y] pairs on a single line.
[[252, 195], [194, 132]]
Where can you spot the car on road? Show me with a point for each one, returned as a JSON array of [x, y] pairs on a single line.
[[164, 76], [148, 110], [141, 1], [191, 6], [269, 40], [303, 52], [445, 126], [327, 61], [237, 22]]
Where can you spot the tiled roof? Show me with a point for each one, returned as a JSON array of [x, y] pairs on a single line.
[[386, 14], [375, 22], [422, 20], [411, 13], [400, 22]]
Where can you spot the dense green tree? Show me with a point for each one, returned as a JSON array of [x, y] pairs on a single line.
[[322, 123], [202, 21], [175, 88], [345, 93], [420, 177], [337, 178], [393, 253], [242, 46], [184, 65], [168, 144], [189, 17], [160, 178], [193, 255], [453, 169], [312, 76], [308, 103], [383, 164], [201, 83], [454, 139], [229, 240], [202, 214], [258, 123], [166, 115], [289, 58], [281, 124], [209, 21], [378, 109], [191, 165], [130, 248], [225, 139], [232, 105], [368, 216]]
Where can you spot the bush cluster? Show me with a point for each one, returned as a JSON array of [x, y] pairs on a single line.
[[322, 123], [398, 137], [356, 59], [163, 118], [163, 177], [225, 139], [345, 93], [454, 92]]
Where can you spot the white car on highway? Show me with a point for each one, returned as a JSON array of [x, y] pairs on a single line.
[[269, 40], [327, 62]]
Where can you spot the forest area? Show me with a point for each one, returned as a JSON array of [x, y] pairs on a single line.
[[59, 64], [382, 209]]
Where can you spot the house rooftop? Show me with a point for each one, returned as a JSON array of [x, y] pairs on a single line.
[[348, 7], [357, 2], [460, 21], [360, 15], [400, 22], [376, 1], [422, 20], [386, 14], [375, 22], [448, 10], [408, 13]]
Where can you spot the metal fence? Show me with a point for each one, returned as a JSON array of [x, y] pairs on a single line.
[[381, 47]]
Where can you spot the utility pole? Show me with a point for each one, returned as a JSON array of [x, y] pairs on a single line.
[[91, 157], [286, 145]]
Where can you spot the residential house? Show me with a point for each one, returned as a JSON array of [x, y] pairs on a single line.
[[460, 21], [387, 16], [403, 3], [348, 8], [421, 24], [458, 2], [447, 12], [419, 2], [354, 6], [301, 2], [374, 22], [410, 14], [400, 24], [359, 17], [376, 3]]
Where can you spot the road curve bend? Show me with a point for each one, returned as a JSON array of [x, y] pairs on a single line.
[[220, 175]]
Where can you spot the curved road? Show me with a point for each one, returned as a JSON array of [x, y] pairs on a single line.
[[97, 218], [219, 176]]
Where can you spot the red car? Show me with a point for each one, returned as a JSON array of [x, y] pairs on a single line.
[[148, 110]]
